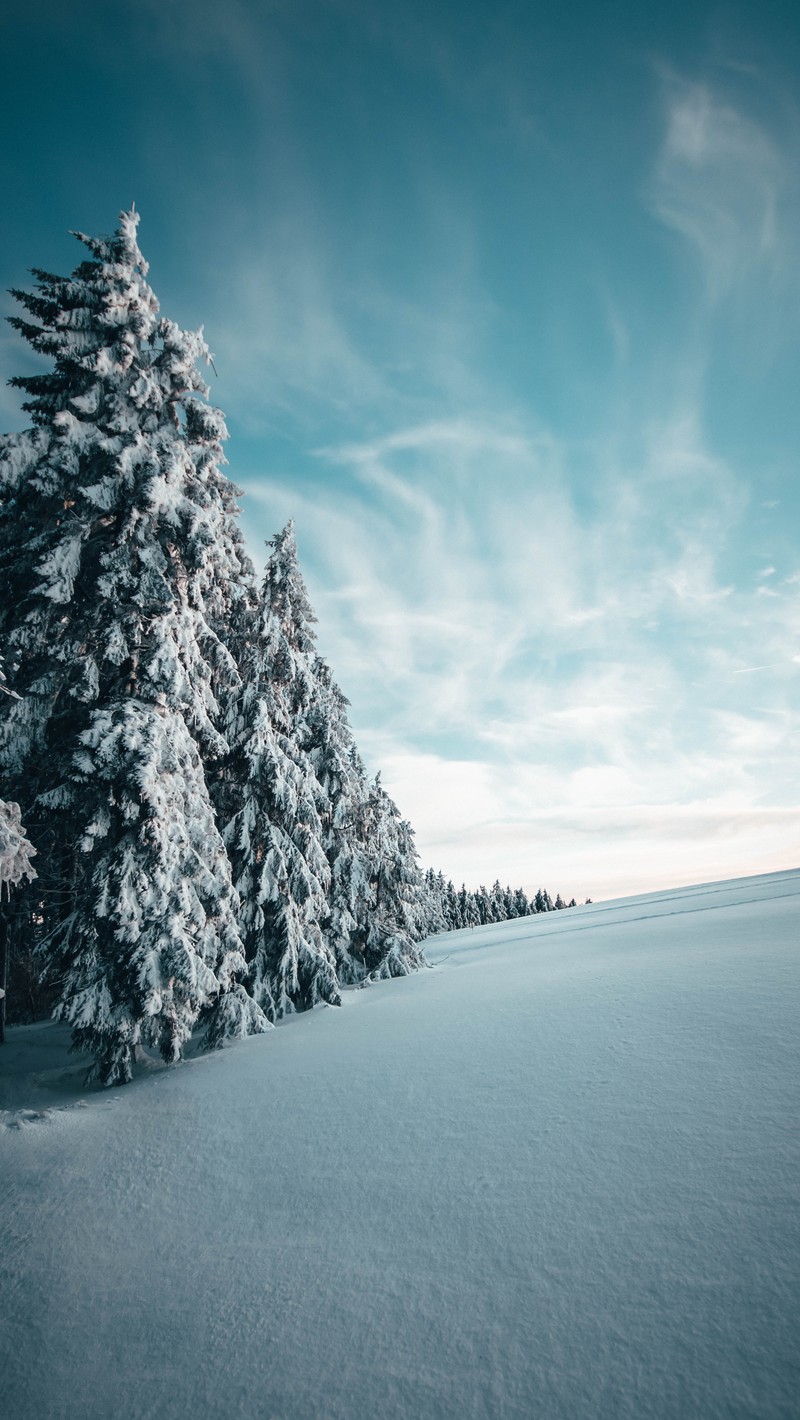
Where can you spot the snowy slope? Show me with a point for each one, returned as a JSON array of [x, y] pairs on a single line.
[[556, 1176]]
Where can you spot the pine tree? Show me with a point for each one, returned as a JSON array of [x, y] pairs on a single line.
[[380, 905], [342, 781], [521, 903], [484, 906], [153, 944], [498, 902], [434, 902], [393, 919], [453, 908], [274, 832], [124, 564], [468, 908]]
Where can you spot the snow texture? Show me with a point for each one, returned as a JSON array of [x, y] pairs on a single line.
[[15, 850], [556, 1176]]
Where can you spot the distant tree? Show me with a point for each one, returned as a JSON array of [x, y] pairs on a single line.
[[468, 908], [521, 903], [453, 908], [434, 900], [484, 906], [498, 902], [509, 904]]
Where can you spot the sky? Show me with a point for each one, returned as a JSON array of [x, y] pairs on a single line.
[[504, 301]]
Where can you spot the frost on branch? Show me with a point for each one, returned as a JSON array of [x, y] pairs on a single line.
[[15, 850]]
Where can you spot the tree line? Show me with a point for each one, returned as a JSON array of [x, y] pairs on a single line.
[[203, 846]]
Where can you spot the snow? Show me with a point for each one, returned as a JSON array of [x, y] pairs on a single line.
[[555, 1176]]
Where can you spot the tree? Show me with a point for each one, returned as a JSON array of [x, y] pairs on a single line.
[[453, 908], [153, 944], [468, 908], [118, 543], [392, 920], [521, 903], [274, 832], [434, 902], [498, 902], [15, 865]]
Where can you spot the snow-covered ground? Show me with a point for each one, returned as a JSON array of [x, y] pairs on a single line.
[[556, 1176]]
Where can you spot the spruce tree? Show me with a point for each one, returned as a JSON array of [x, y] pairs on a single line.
[[380, 906], [498, 902], [434, 902], [521, 903], [453, 908], [386, 938], [274, 832], [344, 792], [124, 564]]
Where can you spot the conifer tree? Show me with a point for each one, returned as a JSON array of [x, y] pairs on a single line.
[[274, 831], [386, 937], [344, 790], [118, 544], [453, 908], [379, 904], [521, 903], [498, 902], [434, 902], [468, 908], [509, 905]]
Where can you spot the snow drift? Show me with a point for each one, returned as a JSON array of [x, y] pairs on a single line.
[[555, 1176]]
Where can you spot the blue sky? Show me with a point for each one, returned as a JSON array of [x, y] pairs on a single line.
[[505, 308]]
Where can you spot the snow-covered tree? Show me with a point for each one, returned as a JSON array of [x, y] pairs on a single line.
[[273, 831], [118, 543], [434, 894], [344, 794], [468, 908], [453, 908], [152, 945], [498, 902], [393, 920], [521, 903]]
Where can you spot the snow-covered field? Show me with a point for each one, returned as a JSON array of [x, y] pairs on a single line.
[[557, 1176]]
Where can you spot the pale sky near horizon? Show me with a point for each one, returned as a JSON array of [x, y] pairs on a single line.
[[505, 308]]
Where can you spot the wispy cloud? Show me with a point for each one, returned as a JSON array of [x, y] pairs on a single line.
[[558, 659], [721, 182]]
